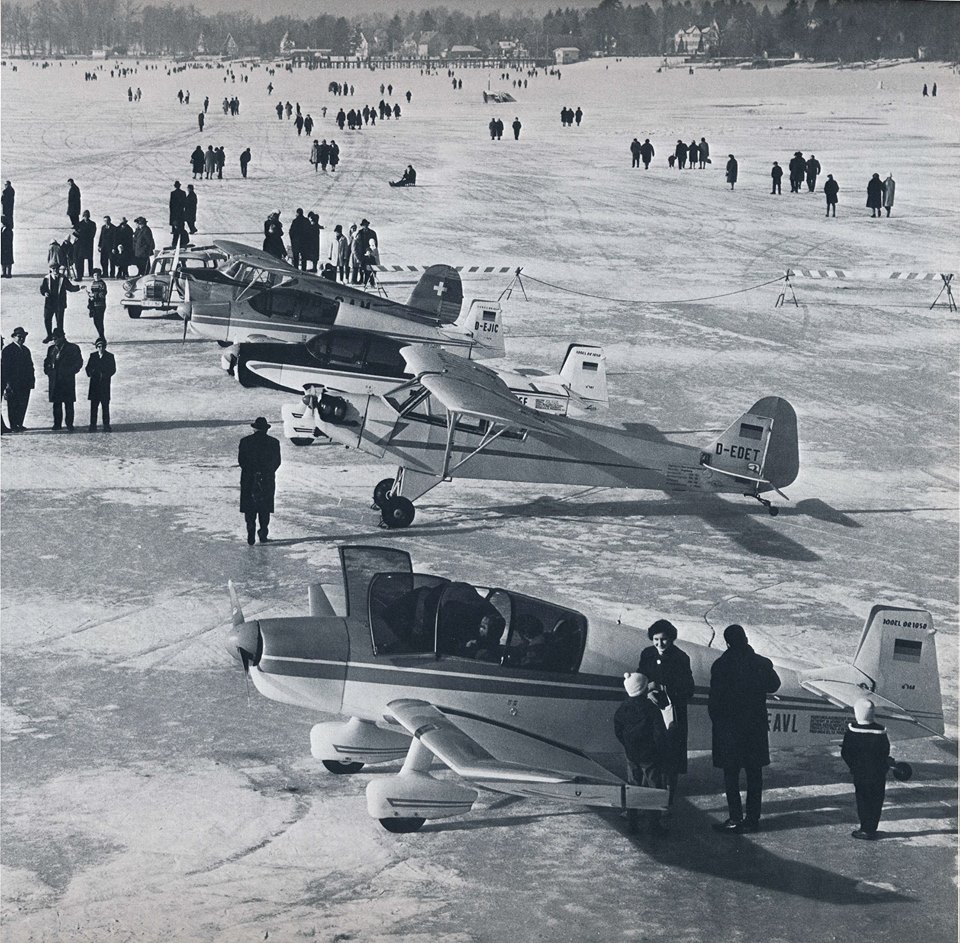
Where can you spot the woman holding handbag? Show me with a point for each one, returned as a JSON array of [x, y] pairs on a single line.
[[668, 666]]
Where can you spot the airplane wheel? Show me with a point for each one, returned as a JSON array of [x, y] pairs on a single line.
[[381, 491], [342, 769], [902, 771], [134, 311], [339, 410], [302, 440], [397, 512], [402, 826], [774, 511]]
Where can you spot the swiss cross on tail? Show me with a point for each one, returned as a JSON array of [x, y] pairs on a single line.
[[440, 288], [439, 293]]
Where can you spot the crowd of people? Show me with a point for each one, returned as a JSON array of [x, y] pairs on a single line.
[[351, 258]]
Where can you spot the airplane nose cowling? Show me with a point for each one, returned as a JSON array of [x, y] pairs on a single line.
[[245, 643]]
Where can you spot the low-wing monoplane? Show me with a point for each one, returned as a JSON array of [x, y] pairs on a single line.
[[258, 297], [409, 660], [458, 419]]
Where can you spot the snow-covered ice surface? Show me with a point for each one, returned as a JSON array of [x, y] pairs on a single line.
[[147, 796]]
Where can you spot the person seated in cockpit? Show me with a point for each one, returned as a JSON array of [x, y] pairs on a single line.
[[528, 640], [486, 646]]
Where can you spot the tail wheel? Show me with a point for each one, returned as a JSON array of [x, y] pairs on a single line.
[[402, 826], [902, 771], [342, 769], [134, 311], [397, 512], [381, 491]]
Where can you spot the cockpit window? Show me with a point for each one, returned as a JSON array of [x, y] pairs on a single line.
[[403, 612]]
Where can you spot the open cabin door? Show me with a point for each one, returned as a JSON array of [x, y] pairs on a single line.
[[361, 565]]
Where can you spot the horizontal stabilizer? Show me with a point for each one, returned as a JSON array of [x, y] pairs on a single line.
[[847, 693]]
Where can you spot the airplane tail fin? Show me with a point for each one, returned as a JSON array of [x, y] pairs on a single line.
[[584, 373], [896, 667], [898, 653], [761, 447], [483, 323], [439, 293]]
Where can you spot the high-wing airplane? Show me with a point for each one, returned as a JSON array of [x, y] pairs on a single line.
[[527, 709], [257, 297], [368, 364], [457, 418]]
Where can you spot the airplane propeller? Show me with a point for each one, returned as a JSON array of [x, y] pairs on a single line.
[[244, 641]]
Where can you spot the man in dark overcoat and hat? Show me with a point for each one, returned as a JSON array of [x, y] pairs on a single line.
[[61, 365], [259, 459], [17, 378], [740, 681]]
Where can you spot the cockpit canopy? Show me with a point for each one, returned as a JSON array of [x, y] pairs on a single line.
[[416, 613]]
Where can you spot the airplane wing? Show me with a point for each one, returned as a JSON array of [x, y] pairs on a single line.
[[466, 387], [452, 746], [257, 257]]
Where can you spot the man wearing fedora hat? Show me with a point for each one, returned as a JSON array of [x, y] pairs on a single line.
[[143, 245], [54, 288], [61, 365], [259, 459], [17, 378]]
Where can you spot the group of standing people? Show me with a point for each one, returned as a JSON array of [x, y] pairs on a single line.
[[652, 726], [323, 154], [204, 164], [62, 363], [568, 116], [496, 129]]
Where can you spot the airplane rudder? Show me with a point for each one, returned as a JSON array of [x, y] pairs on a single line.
[[782, 464], [439, 293], [898, 651], [485, 324], [584, 371]]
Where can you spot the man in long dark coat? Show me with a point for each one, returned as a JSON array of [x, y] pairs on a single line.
[[100, 368], [740, 681], [17, 378], [797, 167], [7, 199], [123, 248], [143, 245], [61, 365], [647, 153], [190, 209], [299, 228], [73, 203], [812, 169], [86, 233], [54, 289], [259, 459], [875, 192], [106, 244], [178, 205], [669, 667]]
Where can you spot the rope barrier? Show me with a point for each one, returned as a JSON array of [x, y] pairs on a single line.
[[584, 294]]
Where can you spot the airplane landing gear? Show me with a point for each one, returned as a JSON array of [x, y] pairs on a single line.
[[381, 491], [397, 512], [771, 509], [342, 769]]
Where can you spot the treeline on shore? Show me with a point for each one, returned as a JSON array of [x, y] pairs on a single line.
[[824, 30]]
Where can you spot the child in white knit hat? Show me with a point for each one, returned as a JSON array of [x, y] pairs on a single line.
[[866, 750]]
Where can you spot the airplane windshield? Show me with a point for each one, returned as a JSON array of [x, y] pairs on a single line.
[[420, 614], [403, 612]]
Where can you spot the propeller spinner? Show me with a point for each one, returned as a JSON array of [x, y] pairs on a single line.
[[244, 641]]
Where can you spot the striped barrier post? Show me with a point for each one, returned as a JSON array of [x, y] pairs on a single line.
[[847, 274]]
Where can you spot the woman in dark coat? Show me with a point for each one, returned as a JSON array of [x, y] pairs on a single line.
[[273, 242], [196, 162], [311, 242], [101, 367], [669, 667], [875, 191], [6, 248], [733, 169]]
